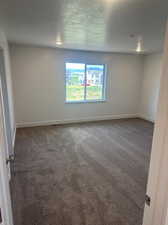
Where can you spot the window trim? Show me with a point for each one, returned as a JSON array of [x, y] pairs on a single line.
[[104, 89]]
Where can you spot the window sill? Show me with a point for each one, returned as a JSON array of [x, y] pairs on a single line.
[[87, 101]]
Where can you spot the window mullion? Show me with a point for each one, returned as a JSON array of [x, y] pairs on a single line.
[[103, 87], [85, 82]]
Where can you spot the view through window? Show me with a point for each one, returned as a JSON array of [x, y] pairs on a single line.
[[85, 82]]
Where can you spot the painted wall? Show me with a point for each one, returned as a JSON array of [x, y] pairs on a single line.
[[39, 89], [4, 46], [150, 86]]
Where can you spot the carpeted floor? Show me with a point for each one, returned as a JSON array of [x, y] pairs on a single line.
[[81, 174]]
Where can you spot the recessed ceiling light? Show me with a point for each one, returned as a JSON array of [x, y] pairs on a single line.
[[58, 42], [138, 49], [139, 45]]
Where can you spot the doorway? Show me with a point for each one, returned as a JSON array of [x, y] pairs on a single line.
[[5, 102]]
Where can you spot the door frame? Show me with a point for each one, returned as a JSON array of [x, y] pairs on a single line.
[[8, 144], [5, 104], [6, 208], [156, 213]]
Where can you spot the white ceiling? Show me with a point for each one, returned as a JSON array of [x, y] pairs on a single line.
[[101, 25]]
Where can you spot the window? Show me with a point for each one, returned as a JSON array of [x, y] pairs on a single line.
[[85, 82]]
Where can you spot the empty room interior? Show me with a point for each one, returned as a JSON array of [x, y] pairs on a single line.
[[80, 83]]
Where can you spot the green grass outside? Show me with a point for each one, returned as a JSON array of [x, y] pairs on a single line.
[[76, 93]]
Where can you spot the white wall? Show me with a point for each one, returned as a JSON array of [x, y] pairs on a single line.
[[4, 46], [39, 90], [150, 86]]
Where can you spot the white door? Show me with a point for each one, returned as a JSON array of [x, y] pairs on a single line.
[[5, 112], [5, 100], [157, 189], [2, 212], [5, 199]]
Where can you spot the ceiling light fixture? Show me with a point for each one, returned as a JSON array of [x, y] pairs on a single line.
[[58, 39], [58, 42], [139, 45]]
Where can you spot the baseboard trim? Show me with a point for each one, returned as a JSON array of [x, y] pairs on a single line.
[[145, 118], [81, 120]]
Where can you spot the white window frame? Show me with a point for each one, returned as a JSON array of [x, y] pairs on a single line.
[[104, 91]]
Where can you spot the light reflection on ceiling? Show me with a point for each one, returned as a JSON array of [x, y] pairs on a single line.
[[99, 25]]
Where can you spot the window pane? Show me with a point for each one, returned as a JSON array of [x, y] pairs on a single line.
[[95, 80], [75, 81]]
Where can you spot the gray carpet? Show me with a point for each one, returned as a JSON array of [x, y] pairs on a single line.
[[81, 174]]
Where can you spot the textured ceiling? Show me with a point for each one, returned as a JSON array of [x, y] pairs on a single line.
[[101, 25]]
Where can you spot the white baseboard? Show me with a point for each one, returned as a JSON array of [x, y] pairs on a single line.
[[146, 118], [80, 120]]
